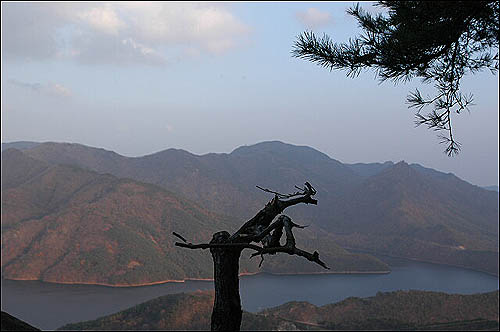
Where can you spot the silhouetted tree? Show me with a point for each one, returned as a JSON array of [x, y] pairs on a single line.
[[437, 41], [226, 250]]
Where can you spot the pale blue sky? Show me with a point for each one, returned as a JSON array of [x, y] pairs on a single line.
[[137, 78]]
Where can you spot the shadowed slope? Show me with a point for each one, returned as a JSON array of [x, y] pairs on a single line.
[[393, 310], [409, 212]]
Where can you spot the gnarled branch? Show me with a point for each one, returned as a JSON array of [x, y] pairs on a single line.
[[289, 247], [271, 247], [314, 257], [308, 189], [265, 216], [190, 245]]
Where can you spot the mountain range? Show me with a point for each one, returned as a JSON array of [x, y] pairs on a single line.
[[66, 224], [401, 310], [82, 199]]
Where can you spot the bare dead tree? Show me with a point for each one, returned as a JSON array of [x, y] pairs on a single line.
[[226, 250]]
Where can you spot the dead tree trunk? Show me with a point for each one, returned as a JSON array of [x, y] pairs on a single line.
[[226, 314], [226, 250]]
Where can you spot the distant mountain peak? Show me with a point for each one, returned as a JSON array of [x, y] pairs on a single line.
[[279, 147], [262, 145], [401, 165], [400, 171]]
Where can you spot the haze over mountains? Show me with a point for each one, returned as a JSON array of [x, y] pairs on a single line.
[[395, 209]]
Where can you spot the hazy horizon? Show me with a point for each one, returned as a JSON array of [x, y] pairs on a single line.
[[228, 152], [138, 78]]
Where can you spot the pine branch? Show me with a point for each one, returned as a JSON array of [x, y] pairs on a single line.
[[437, 41]]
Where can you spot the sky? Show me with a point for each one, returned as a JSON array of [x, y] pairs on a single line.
[[140, 77]]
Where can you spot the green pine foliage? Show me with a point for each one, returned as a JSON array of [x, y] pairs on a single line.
[[437, 41]]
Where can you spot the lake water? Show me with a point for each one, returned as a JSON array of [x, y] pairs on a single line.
[[49, 306]]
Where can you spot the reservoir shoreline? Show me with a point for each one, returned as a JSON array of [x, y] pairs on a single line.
[[244, 274], [419, 260], [176, 281]]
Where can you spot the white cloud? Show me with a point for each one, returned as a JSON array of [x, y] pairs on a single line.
[[314, 18], [208, 27], [51, 89], [103, 18], [121, 33], [106, 49]]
